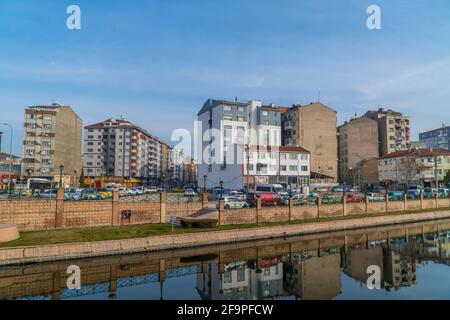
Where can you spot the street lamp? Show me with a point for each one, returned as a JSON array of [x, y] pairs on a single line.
[[204, 182], [10, 158], [61, 169]]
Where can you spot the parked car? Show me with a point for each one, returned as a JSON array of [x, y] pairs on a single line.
[[267, 198], [375, 197], [151, 190], [104, 193], [234, 203], [429, 193], [139, 190], [90, 194], [395, 195], [330, 199], [189, 193], [412, 194], [73, 194], [354, 198], [238, 194], [47, 194], [274, 188], [443, 192], [178, 190]]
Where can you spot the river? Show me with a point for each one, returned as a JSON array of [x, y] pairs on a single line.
[[412, 261]]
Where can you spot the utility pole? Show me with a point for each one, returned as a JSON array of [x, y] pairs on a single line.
[[436, 172], [10, 158]]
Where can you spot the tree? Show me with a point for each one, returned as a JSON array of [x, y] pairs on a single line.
[[82, 179], [447, 179]]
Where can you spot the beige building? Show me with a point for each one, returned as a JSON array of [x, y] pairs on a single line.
[[52, 137], [414, 167], [313, 127], [393, 130], [357, 141]]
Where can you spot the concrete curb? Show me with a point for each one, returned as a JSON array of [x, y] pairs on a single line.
[[35, 254]]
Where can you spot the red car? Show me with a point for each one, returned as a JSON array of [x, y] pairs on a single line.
[[268, 199], [354, 198]]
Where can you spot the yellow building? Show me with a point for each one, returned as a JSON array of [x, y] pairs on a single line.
[[414, 167]]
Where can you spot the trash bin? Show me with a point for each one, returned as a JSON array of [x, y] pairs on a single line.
[[126, 216]]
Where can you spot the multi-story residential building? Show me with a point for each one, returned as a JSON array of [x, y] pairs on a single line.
[[414, 167], [190, 171], [165, 149], [176, 165], [357, 141], [16, 167], [234, 134], [117, 149], [52, 138], [437, 138], [393, 130], [313, 127]]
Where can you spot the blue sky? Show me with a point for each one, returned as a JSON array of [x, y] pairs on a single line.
[[156, 61]]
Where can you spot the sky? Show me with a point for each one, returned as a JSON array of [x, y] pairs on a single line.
[[156, 62]]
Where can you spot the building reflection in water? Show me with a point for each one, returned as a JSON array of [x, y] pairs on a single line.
[[277, 269]]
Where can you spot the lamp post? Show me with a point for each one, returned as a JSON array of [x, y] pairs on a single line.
[[10, 157], [204, 182], [221, 189], [61, 169]]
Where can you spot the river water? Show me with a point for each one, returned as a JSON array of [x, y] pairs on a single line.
[[411, 262]]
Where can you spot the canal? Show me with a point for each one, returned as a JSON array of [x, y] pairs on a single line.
[[414, 263]]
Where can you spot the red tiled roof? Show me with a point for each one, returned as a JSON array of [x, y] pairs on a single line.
[[429, 152]]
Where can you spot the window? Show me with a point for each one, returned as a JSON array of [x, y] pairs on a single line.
[[304, 168], [240, 118], [227, 108], [240, 275], [227, 117], [227, 277], [292, 156], [265, 113], [266, 122], [304, 157], [293, 168], [90, 137], [283, 168], [241, 109]]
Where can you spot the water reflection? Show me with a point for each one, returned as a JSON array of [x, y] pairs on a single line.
[[331, 266]]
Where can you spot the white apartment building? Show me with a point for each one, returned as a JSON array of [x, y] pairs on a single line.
[[176, 165], [232, 134], [118, 148]]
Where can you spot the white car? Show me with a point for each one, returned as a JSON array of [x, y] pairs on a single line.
[[189, 193], [375, 197]]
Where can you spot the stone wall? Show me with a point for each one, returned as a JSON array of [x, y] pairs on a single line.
[[293, 212], [33, 215]]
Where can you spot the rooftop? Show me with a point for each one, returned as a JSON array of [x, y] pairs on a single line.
[[425, 152]]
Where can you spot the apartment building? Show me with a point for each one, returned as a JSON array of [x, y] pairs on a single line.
[[313, 127], [52, 138], [117, 148], [393, 130], [234, 134], [414, 167], [437, 138], [357, 141], [176, 165]]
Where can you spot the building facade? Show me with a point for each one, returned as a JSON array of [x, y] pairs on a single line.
[[234, 134], [393, 130], [118, 149], [424, 167], [437, 138], [313, 127], [52, 138], [357, 141]]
